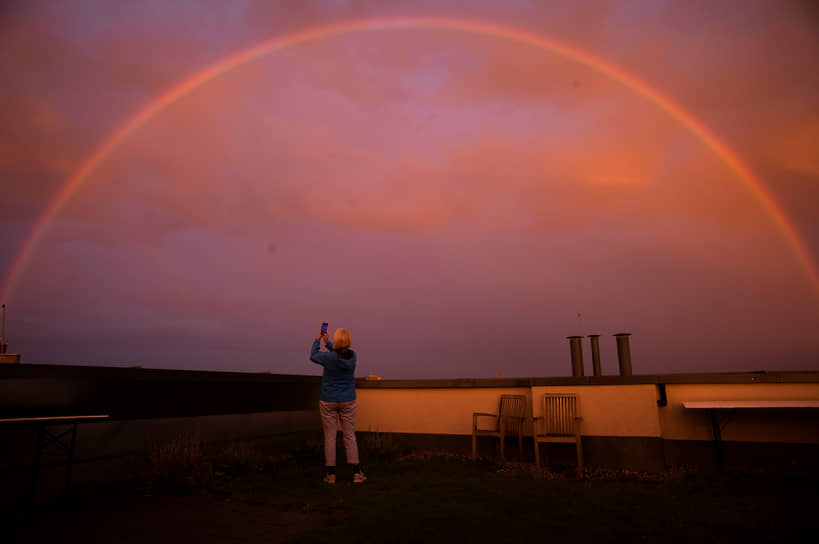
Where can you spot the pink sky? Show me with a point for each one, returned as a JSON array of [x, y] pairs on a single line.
[[454, 200]]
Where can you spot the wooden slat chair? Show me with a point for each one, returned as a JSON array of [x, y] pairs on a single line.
[[507, 422], [561, 423]]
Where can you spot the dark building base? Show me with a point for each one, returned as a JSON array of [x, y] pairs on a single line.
[[641, 454]]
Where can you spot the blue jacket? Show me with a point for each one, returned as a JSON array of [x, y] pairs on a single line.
[[338, 379]]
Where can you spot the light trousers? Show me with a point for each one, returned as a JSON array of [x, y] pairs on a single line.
[[331, 413]]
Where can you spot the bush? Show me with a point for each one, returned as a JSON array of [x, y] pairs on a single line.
[[179, 465], [380, 447], [240, 457]]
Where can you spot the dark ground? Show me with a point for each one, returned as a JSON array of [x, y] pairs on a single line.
[[432, 499], [157, 519]]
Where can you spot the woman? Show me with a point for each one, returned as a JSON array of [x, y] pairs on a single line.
[[337, 400]]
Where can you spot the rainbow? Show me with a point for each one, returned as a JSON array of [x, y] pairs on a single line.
[[245, 56]]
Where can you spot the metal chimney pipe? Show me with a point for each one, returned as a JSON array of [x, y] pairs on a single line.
[[577, 355], [595, 349], [3, 330], [624, 353]]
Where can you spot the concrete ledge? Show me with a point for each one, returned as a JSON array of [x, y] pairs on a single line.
[[105, 451], [134, 393], [715, 378], [120, 438]]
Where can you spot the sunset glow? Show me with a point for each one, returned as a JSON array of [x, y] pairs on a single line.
[[416, 177]]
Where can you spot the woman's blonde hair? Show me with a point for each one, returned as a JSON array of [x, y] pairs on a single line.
[[342, 339]]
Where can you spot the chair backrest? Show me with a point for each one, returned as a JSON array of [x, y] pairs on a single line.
[[559, 413], [512, 405]]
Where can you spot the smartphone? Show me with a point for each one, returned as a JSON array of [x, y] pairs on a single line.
[[323, 328]]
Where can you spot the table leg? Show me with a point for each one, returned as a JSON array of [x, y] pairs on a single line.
[[70, 456], [717, 439], [35, 470]]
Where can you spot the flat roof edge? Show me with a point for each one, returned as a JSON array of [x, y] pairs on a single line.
[[638, 379], [34, 371]]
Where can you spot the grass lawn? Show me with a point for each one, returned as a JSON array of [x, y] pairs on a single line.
[[451, 500], [440, 499]]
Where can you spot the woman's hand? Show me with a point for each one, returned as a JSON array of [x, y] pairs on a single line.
[[325, 336]]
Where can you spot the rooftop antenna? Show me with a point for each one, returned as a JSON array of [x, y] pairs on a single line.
[[3, 343], [580, 324]]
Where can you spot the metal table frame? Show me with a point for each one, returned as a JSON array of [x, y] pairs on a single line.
[[64, 441], [721, 411]]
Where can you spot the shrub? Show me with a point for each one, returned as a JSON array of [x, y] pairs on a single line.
[[380, 447], [179, 465], [238, 457]]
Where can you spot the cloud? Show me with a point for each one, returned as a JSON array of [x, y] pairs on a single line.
[[35, 152], [212, 162], [417, 178], [797, 149]]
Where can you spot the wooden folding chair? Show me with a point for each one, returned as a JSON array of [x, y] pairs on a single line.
[[561, 423], [508, 421]]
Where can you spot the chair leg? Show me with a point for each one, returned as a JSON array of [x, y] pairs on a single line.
[[520, 446], [537, 451], [502, 444], [579, 442], [474, 445]]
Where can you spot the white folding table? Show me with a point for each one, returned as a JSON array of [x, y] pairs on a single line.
[[721, 410]]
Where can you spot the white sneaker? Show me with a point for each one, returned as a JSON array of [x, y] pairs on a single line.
[[330, 478], [359, 477]]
